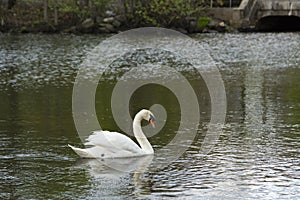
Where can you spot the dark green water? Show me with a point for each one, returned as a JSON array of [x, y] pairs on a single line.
[[256, 157]]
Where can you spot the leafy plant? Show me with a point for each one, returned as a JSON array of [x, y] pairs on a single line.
[[203, 22], [83, 9], [166, 13]]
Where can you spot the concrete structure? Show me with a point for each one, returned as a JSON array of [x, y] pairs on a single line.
[[267, 14]]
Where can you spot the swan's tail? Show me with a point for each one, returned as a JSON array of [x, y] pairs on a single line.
[[81, 152]]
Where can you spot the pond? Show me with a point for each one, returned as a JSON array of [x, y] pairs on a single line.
[[255, 157]]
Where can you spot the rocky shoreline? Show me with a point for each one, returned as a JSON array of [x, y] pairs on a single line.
[[114, 23]]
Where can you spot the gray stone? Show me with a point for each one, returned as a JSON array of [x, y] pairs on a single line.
[[70, 30], [108, 20], [181, 30], [121, 18], [99, 19], [110, 28], [222, 24], [103, 30], [109, 13], [87, 24], [214, 23], [192, 26], [116, 23], [102, 24]]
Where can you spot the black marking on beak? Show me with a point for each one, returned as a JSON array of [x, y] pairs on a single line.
[[152, 118]]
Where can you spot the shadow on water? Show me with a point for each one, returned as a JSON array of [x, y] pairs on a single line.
[[279, 23]]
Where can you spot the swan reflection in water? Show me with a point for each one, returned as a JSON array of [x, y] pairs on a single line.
[[114, 168], [108, 171], [107, 144], [114, 155]]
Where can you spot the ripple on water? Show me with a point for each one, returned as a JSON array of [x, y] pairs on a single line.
[[256, 156]]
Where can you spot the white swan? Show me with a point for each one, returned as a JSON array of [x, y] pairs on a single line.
[[106, 144]]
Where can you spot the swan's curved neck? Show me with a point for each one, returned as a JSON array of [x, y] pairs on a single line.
[[140, 136]]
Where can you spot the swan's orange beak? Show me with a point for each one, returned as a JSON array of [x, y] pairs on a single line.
[[152, 123]]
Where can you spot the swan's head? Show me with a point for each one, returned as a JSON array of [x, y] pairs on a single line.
[[148, 116]]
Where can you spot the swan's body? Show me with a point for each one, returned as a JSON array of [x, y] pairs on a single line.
[[106, 144]]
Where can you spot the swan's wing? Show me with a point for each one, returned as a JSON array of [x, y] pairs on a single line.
[[113, 141], [93, 152]]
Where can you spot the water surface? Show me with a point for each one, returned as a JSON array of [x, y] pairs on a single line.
[[256, 157]]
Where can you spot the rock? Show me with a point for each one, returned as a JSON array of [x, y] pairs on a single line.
[[103, 30], [214, 23], [181, 30], [110, 28], [120, 18], [41, 27], [206, 30], [116, 23], [99, 19], [24, 29], [108, 20], [221, 27], [70, 30], [217, 25], [87, 24], [192, 26], [109, 13]]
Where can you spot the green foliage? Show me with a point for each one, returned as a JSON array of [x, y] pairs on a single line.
[[83, 9], [203, 22], [165, 13], [220, 2]]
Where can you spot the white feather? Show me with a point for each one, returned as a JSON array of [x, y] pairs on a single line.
[[106, 144], [112, 140]]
